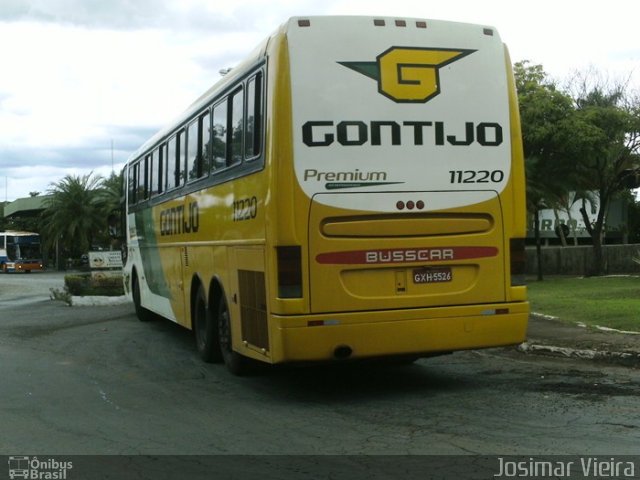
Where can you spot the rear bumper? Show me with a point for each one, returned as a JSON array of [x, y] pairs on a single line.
[[28, 266], [397, 332]]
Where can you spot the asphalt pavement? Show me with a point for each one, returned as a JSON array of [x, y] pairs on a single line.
[[546, 335]]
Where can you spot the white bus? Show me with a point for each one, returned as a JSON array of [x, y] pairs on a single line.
[[20, 252]]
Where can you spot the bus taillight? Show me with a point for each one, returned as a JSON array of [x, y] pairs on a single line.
[[518, 262], [289, 272]]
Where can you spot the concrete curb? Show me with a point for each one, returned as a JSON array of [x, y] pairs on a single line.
[[96, 301]]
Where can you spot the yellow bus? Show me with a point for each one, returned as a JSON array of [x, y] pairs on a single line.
[[354, 189]]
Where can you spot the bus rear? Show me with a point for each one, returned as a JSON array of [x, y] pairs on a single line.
[[404, 226]]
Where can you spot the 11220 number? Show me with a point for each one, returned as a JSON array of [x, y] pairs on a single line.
[[476, 176], [245, 209]]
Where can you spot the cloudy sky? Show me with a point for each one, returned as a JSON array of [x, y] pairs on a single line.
[[83, 83]]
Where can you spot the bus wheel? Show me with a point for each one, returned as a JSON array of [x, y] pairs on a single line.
[[142, 313], [206, 330], [236, 363]]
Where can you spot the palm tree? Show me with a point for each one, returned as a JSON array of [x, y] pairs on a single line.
[[110, 199], [111, 193], [74, 213]]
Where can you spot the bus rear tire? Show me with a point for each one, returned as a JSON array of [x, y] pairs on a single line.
[[142, 313], [237, 364], [205, 329]]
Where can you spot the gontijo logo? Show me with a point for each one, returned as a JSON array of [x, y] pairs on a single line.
[[408, 74]]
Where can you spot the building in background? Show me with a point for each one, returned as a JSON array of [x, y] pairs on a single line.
[[572, 223]]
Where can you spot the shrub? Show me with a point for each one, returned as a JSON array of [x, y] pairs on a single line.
[[85, 285], [63, 296]]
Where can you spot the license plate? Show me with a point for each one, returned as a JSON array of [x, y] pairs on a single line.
[[432, 275]]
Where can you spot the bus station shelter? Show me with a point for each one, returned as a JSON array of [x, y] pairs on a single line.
[[25, 207]]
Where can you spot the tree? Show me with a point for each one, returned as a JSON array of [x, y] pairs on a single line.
[[585, 139], [111, 193], [110, 202], [546, 117], [607, 141], [3, 220], [74, 213]]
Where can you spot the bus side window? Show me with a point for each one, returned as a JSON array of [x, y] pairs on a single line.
[[181, 167], [219, 147], [236, 121], [205, 144], [162, 175], [171, 164], [193, 159], [143, 177], [133, 184], [155, 187], [253, 138]]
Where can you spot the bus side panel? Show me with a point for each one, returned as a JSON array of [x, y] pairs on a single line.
[[149, 258], [226, 242], [248, 307], [516, 209]]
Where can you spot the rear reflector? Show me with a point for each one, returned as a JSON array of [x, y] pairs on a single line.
[[322, 323], [289, 272], [518, 261], [496, 311]]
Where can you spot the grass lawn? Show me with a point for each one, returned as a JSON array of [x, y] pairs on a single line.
[[605, 301]]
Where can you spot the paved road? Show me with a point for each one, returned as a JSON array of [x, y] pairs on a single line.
[[94, 380], [25, 288]]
